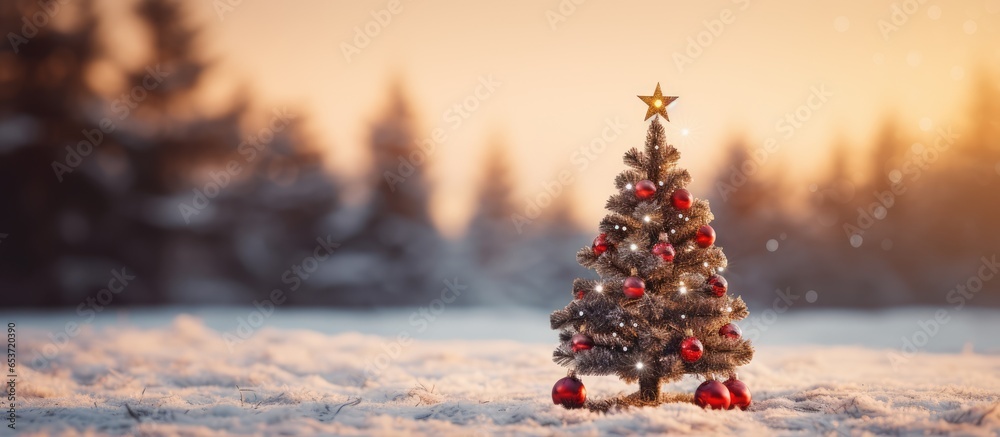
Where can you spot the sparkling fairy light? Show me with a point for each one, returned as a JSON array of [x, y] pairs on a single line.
[[614, 334], [581, 313], [646, 219], [625, 348], [621, 325], [683, 316], [673, 231], [635, 325], [633, 247], [599, 288], [683, 289], [661, 182], [680, 215], [706, 264], [720, 269], [628, 186], [638, 366], [624, 228]]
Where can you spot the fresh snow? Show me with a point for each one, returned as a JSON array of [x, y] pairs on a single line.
[[481, 372]]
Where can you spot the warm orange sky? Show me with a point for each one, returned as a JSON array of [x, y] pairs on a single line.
[[559, 85]]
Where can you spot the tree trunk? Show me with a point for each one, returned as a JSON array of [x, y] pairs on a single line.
[[649, 388]]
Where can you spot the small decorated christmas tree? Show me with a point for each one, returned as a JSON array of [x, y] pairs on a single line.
[[661, 308]]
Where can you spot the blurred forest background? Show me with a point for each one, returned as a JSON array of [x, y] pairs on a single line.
[[68, 219]]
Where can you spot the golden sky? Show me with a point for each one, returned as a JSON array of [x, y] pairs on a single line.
[[563, 72]]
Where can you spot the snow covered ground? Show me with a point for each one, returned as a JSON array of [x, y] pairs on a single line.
[[480, 372]]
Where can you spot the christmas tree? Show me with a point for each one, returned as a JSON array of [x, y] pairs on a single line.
[[661, 308]]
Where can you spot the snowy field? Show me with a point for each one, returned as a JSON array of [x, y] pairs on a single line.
[[480, 372]]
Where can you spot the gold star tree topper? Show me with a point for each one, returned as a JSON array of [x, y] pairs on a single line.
[[657, 103]]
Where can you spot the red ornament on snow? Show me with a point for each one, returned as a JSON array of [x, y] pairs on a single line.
[[681, 199], [600, 244], [705, 236], [731, 331], [665, 251], [739, 394], [691, 349], [719, 285], [581, 342], [712, 394], [569, 392], [645, 189], [634, 287]]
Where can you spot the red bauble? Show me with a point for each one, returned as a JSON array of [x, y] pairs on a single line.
[[665, 251], [691, 349], [739, 394], [719, 285], [600, 244], [681, 199], [569, 392], [705, 236], [645, 189], [731, 331], [581, 342], [579, 294], [712, 394], [634, 287]]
